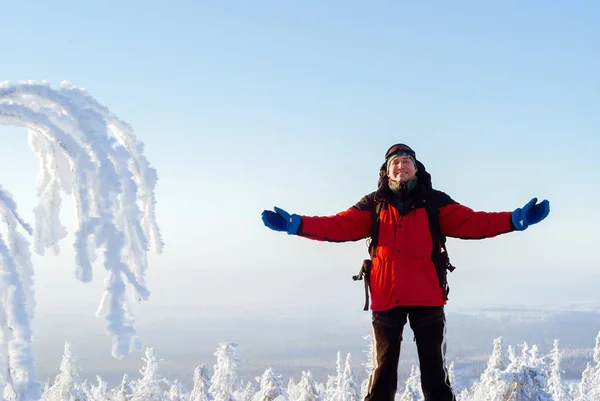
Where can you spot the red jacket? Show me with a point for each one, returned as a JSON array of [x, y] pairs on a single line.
[[402, 272]]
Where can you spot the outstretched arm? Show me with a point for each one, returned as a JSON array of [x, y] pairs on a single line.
[[352, 224], [460, 221]]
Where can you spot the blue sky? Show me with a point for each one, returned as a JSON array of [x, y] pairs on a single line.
[[246, 105]]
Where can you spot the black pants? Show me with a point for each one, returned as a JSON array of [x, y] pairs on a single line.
[[429, 326]]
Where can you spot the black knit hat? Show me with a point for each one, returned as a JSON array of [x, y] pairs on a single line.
[[400, 149]]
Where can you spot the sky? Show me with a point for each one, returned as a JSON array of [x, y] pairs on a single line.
[[246, 105]]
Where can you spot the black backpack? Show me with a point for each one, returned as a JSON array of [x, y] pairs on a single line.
[[439, 254]]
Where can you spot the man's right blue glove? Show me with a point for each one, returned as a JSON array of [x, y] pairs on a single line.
[[531, 213], [280, 220]]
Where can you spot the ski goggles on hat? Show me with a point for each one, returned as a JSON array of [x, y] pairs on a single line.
[[399, 148]]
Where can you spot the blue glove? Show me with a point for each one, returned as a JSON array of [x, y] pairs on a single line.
[[280, 220], [531, 213]]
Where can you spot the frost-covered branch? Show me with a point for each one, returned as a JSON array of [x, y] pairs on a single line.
[[86, 152], [16, 292]]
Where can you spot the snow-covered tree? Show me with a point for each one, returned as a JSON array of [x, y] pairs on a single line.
[[412, 390], [511, 355], [177, 391], [292, 389], [597, 350], [491, 384], [248, 392], [271, 386], [99, 392], [123, 392], [201, 385], [148, 388], [224, 379], [85, 152], [307, 388], [67, 385], [330, 388], [349, 388], [525, 378], [335, 387], [368, 364], [16, 305], [588, 388], [556, 386], [595, 383], [452, 375], [585, 389]]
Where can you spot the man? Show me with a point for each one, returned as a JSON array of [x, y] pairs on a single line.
[[407, 275]]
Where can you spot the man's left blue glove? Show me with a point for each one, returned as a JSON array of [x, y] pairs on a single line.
[[531, 213], [280, 220]]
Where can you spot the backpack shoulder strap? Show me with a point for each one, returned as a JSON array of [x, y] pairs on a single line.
[[433, 216], [372, 242], [439, 252]]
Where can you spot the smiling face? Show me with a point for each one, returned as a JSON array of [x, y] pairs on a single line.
[[401, 168]]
